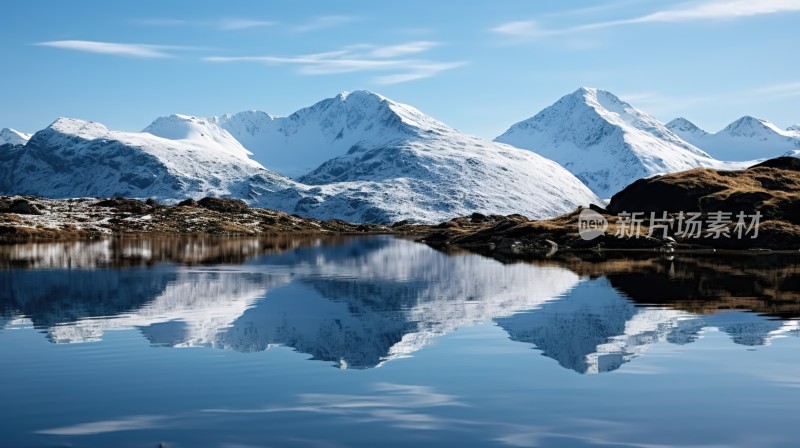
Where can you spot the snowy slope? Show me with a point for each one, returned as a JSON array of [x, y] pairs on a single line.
[[604, 141], [79, 158], [10, 136], [200, 132], [747, 138], [296, 144], [794, 128]]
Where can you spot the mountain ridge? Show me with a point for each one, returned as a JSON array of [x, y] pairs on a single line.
[[78, 158]]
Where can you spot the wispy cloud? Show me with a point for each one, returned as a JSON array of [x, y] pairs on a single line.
[[396, 404], [709, 10], [225, 24], [323, 22], [361, 58], [785, 89], [717, 10], [393, 51], [420, 71], [111, 48], [241, 24], [138, 422]]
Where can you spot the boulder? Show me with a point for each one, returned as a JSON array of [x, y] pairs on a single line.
[[20, 207], [223, 205], [125, 205]]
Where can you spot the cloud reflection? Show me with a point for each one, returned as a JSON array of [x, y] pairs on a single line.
[[132, 423]]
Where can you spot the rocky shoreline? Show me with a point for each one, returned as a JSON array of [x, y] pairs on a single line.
[[33, 219]]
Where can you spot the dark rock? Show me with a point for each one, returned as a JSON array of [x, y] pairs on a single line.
[[402, 223], [516, 217], [223, 205], [783, 163], [478, 218], [533, 248], [134, 206], [188, 203], [598, 209], [655, 195], [21, 207]]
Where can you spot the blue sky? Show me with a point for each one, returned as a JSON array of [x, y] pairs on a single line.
[[478, 66]]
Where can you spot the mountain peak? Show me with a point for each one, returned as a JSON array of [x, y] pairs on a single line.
[[176, 127], [749, 126], [604, 141], [10, 136], [682, 125], [88, 130], [585, 91], [599, 98], [361, 95]]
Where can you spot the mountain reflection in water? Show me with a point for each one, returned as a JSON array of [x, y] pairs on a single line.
[[360, 302]]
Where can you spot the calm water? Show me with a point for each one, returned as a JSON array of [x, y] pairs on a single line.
[[385, 342]]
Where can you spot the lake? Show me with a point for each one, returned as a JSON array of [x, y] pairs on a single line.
[[381, 341]]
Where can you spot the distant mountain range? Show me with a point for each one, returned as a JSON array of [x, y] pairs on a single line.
[[381, 162], [747, 138], [362, 157]]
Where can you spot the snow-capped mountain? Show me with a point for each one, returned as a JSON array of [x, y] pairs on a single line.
[[604, 141], [408, 159], [686, 130], [747, 138], [76, 158], [10, 136], [376, 158]]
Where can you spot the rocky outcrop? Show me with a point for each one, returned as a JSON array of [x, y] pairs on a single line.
[[771, 187]]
